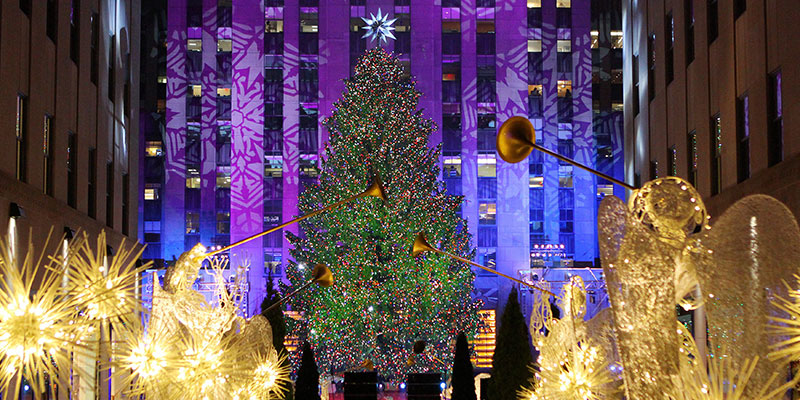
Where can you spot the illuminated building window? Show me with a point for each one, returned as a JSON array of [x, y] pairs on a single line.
[[534, 46], [274, 26], [484, 342], [192, 178], [224, 45], [452, 166], [194, 45], [487, 213], [487, 165], [192, 223], [534, 3], [153, 149], [224, 91], [223, 177], [151, 192], [563, 4], [196, 90]]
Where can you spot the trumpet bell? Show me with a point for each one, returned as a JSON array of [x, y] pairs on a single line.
[[322, 276], [515, 139], [420, 245], [376, 189]]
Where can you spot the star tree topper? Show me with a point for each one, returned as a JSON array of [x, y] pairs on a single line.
[[379, 27]]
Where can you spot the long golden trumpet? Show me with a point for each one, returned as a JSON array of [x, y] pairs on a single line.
[[321, 275], [421, 245], [516, 138], [374, 190]]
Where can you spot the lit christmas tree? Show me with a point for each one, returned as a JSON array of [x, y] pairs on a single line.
[[383, 300]]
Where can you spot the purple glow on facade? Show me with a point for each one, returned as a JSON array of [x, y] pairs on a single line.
[[266, 85]]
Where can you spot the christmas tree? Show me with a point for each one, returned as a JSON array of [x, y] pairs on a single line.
[[383, 300], [512, 355]]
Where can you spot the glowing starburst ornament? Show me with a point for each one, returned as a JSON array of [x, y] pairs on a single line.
[[36, 325], [147, 362], [378, 27], [105, 286], [723, 380]]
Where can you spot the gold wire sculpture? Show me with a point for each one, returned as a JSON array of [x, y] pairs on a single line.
[[570, 366]]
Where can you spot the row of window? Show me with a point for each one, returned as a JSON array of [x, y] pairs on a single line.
[[774, 140], [49, 140]]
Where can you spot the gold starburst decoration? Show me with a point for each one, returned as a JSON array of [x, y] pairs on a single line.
[[37, 329], [105, 285]]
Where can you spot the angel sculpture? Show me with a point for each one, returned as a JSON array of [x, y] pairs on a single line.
[[572, 365], [204, 351], [657, 251]]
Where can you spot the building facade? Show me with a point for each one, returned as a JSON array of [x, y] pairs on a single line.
[[709, 93], [233, 130], [68, 88]]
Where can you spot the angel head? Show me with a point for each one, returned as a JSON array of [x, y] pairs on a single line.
[[670, 206], [183, 274]]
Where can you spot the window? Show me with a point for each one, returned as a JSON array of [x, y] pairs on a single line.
[[716, 154], [22, 134], [25, 7], [72, 169], [742, 138], [452, 166], [563, 18], [112, 72], [739, 7], [153, 149], [150, 193], [688, 9], [672, 161], [774, 119], [192, 223], [95, 49], [486, 165], [691, 147], [47, 170], [651, 66], [712, 15], [74, 30], [487, 214], [564, 55], [224, 45], [635, 77], [560, 3], [52, 19], [669, 40], [110, 194], [194, 45], [273, 26], [125, 209], [92, 183]]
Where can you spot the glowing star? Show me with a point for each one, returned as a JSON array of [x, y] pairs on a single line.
[[379, 27]]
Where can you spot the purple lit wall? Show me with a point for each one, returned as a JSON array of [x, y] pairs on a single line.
[[247, 143], [569, 197], [291, 119], [174, 219], [513, 248]]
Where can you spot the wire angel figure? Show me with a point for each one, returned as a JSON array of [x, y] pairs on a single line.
[[660, 249], [572, 364]]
